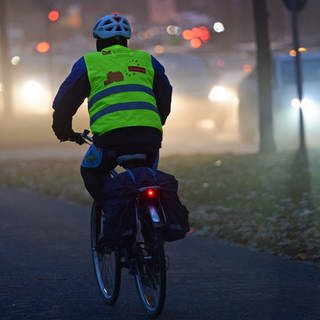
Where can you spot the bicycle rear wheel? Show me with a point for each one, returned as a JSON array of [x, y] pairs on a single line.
[[106, 264], [150, 277]]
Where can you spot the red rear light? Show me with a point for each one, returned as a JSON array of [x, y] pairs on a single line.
[[151, 193]]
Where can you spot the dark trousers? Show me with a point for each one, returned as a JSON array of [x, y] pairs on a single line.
[[94, 176]]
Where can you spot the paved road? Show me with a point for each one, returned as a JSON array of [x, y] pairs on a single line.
[[46, 273]]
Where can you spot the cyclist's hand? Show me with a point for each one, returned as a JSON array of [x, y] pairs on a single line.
[[77, 138]]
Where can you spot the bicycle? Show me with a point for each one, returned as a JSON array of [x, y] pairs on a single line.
[[145, 258]]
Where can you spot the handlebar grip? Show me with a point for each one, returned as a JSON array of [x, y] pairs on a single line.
[[85, 133]]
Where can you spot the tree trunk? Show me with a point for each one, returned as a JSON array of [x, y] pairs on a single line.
[[264, 72], [5, 64]]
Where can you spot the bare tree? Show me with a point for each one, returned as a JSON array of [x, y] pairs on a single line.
[[264, 73]]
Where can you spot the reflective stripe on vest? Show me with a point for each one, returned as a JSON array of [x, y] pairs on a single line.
[[123, 107], [118, 89], [121, 81]]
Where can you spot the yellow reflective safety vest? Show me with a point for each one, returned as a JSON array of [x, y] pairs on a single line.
[[121, 94]]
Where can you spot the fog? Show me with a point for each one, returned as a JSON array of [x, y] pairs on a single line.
[[209, 112]]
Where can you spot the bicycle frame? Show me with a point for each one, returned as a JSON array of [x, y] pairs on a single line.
[[145, 259]]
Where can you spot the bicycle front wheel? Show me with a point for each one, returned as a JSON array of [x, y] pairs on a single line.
[[150, 277], [106, 264]]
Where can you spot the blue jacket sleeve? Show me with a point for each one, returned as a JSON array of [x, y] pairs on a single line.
[[162, 90], [71, 94]]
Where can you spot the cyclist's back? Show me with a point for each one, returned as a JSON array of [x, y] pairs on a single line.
[[129, 99]]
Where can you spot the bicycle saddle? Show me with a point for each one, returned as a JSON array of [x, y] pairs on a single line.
[[127, 159]]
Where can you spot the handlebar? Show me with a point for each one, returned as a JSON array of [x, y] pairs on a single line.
[[85, 135]]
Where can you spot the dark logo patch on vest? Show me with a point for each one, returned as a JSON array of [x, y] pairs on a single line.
[[137, 69], [113, 77]]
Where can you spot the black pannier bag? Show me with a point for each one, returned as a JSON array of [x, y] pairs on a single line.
[[176, 214], [119, 205], [119, 219]]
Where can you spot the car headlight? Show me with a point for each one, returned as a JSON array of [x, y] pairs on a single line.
[[306, 103], [222, 94], [35, 96], [310, 109]]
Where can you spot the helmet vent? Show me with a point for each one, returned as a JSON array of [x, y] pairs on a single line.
[[111, 26], [107, 22]]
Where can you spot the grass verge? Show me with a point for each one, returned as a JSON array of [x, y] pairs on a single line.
[[269, 202]]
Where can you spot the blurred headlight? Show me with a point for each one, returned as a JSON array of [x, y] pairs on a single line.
[[310, 109], [36, 96], [306, 103], [222, 94], [295, 103]]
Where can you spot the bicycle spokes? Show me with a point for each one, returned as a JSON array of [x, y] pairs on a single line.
[[106, 263]]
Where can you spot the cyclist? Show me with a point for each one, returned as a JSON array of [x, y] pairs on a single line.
[[129, 98]]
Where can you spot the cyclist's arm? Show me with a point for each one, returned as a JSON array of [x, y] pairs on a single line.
[[71, 94], [162, 90]]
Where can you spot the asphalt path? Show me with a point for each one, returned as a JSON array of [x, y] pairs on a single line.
[[46, 272]]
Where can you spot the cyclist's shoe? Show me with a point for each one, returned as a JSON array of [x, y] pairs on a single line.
[[104, 245]]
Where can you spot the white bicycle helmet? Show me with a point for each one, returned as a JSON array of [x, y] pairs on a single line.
[[111, 26]]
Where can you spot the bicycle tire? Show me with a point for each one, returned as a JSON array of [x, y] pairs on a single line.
[[107, 265], [150, 277]]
